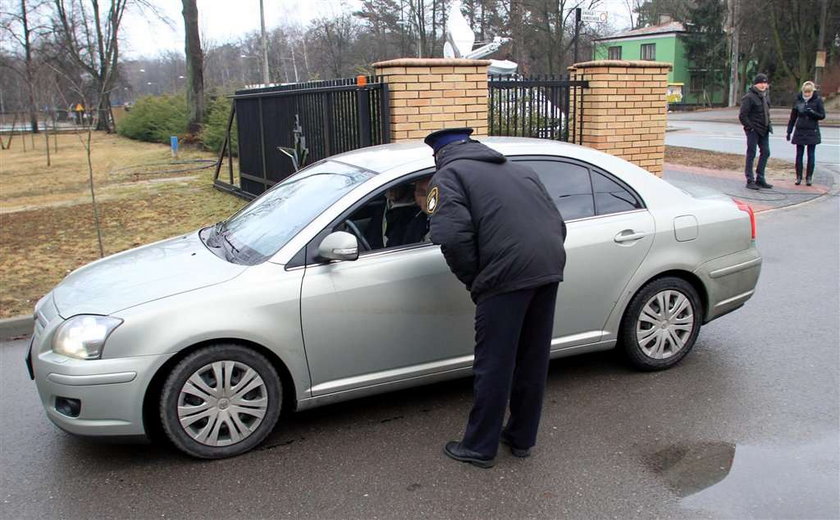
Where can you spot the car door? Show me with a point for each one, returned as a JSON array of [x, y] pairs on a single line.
[[609, 233], [391, 314]]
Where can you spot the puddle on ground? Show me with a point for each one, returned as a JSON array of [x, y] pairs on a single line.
[[729, 480]]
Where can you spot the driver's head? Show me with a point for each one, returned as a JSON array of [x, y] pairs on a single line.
[[421, 192]]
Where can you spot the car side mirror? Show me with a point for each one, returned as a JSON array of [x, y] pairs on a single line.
[[339, 245]]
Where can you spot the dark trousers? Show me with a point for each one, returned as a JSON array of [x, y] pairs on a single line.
[[763, 142], [812, 156], [512, 342]]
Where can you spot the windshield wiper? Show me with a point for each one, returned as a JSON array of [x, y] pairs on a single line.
[[224, 235]]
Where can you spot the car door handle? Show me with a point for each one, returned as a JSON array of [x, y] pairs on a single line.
[[628, 235]]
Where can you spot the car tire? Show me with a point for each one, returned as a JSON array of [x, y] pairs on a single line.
[[220, 401], [661, 324]]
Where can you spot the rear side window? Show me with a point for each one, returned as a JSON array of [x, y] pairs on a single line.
[[580, 191], [569, 186], [611, 197]]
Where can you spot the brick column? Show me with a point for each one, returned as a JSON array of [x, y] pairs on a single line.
[[625, 109], [429, 94]]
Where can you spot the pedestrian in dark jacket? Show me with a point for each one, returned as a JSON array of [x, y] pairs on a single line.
[[755, 117], [807, 111], [502, 236]]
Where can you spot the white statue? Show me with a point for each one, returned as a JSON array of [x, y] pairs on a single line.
[[460, 40]]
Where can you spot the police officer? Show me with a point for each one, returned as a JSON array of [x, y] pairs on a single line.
[[502, 237]]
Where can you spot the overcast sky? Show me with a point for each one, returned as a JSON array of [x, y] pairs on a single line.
[[228, 20]]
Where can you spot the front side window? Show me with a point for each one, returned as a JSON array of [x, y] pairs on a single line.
[[396, 217], [260, 229], [649, 51], [614, 53]]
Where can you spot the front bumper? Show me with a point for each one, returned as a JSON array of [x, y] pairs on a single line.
[[109, 392]]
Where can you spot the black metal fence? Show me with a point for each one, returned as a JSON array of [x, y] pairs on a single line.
[[537, 106], [303, 123]]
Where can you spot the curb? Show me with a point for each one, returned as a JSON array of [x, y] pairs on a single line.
[[16, 328]]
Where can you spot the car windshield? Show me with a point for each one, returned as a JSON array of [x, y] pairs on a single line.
[[260, 229]]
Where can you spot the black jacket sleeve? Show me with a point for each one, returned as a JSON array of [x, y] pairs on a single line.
[[452, 227], [818, 111], [794, 114], [744, 113]]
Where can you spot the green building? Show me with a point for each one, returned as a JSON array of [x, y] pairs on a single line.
[[664, 42]]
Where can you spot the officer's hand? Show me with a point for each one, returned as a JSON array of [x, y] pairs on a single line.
[[787, 137]]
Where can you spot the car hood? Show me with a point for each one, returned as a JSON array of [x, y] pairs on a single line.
[[141, 275]]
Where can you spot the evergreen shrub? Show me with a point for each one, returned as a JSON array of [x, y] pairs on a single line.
[[155, 119]]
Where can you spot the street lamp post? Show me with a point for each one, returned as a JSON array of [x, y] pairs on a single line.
[[264, 46]]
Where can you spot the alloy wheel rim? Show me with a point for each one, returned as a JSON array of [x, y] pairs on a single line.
[[222, 403], [665, 324]]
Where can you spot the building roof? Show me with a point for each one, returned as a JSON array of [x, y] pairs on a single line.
[[653, 30]]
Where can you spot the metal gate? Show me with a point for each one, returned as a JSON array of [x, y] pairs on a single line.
[[537, 106], [286, 127]]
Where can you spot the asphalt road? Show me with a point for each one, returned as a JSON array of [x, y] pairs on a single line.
[[745, 427], [729, 138]]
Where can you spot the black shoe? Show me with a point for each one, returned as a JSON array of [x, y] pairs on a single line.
[[751, 185], [798, 181], [454, 450], [762, 184], [516, 452], [808, 181]]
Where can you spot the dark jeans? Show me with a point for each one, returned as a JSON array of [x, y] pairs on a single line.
[[812, 156], [512, 342], [763, 143]]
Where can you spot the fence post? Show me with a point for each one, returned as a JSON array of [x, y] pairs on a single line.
[[624, 110], [425, 95]]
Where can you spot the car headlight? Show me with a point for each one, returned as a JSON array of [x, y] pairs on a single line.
[[82, 337]]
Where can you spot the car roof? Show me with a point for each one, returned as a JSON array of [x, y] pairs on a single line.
[[385, 157]]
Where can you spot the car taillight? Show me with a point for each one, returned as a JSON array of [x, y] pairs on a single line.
[[743, 206]]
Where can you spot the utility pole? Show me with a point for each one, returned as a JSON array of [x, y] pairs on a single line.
[[264, 46], [734, 51], [820, 61]]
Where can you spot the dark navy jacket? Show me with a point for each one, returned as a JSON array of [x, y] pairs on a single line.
[[497, 226]]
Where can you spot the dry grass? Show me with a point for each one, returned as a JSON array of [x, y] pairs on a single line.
[[776, 168], [46, 218]]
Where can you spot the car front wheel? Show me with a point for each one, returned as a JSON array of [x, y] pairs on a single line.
[[661, 324], [220, 401]]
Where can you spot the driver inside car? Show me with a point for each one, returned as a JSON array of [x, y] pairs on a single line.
[[387, 229]]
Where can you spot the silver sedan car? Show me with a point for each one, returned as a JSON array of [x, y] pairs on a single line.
[[309, 296]]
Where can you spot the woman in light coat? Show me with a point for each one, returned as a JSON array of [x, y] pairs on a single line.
[[807, 111]]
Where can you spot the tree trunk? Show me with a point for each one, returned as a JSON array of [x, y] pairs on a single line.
[[30, 88], [103, 110], [195, 67]]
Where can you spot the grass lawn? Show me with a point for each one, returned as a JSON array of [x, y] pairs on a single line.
[[46, 218]]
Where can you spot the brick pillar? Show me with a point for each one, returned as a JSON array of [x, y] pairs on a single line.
[[429, 94], [625, 109]]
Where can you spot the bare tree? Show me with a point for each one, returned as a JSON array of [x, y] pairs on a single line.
[[89, 34], [195, 67], [19, 27]]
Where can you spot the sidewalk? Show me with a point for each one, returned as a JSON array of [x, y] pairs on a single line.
[[784, 193]]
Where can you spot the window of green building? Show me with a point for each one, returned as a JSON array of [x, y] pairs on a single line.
[[695, 82], [649, 51], [614, 53]]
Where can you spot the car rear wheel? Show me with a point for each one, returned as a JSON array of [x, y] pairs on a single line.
[[220, 401], [661, 324]]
